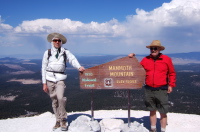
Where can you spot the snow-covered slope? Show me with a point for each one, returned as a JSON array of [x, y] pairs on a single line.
[[44, 122]]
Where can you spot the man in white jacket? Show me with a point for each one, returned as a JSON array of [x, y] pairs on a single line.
[[53, 75]]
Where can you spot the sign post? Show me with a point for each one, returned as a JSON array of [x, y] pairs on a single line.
[[92, 105], [123, 73], [129, 108]]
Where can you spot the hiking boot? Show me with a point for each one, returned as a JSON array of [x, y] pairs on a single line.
[[57, 125], [64, 124], [154, 130]]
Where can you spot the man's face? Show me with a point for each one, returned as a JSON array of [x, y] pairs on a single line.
[[57, 43], [154, 51]]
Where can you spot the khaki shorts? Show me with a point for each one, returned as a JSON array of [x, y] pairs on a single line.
[[156, 100]]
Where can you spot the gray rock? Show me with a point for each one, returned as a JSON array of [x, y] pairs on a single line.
[[84, 124], [111, 125], [134, 127]]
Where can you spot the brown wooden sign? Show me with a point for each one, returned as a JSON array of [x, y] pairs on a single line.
[[123, 73]]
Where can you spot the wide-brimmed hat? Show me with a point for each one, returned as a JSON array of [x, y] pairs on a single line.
[[156, 43], [56, 35]]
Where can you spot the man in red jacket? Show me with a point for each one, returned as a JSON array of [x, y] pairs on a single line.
[[159, 82]]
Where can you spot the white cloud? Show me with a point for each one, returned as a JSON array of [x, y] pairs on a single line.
[[5, 26], [176, 24], [65, 26], [176, 13]]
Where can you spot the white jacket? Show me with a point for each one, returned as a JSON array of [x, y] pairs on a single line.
[[52, 67]]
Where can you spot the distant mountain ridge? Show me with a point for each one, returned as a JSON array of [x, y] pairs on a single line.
[[189, 55], [93, 60]]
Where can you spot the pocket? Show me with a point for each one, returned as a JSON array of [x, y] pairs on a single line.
[[60, 76], [58, 67], [49, 74]]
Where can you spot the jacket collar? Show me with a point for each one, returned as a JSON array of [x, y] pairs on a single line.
[[160, 57], [55, 50]]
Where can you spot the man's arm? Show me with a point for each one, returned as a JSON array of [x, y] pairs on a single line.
[[73, 61], [171, 76], [43, 70]]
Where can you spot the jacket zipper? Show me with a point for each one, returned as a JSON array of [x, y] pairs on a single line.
[[154, 71]]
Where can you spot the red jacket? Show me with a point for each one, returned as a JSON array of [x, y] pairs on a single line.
[[159, 72]]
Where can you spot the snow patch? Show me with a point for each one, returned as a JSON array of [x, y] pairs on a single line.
[[44, 123]]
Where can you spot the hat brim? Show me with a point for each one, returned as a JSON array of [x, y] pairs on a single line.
[[56, 35], [161, 47]]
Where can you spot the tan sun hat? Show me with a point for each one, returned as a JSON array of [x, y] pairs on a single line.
[[156, 43], [56, 35]]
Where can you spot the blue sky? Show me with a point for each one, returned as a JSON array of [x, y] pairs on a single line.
[[99, 26], [16, 11]]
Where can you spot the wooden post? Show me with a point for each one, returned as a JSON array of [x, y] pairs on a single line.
[[92, 105], [129, 107]]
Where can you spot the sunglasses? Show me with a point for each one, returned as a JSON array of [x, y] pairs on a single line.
[[55, 40], [154, 48]]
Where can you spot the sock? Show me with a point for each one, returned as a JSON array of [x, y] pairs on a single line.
[[153, 127], [163, 129]]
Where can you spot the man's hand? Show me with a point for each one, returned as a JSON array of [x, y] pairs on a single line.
[[81, 69], [131, 55], [170, 89], [45, 88]]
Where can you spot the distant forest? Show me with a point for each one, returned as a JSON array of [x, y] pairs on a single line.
[[30, 97]]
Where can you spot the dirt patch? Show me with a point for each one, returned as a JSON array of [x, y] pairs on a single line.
[[12, 66], [22, 72], [8, 98], [26, 81]]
